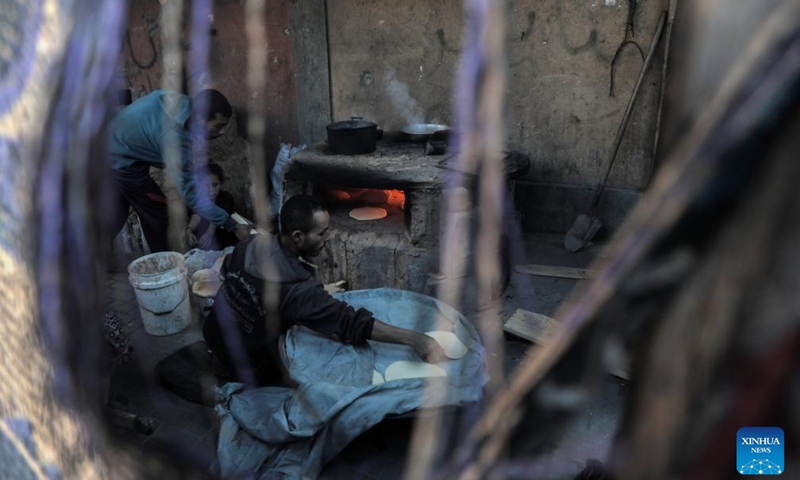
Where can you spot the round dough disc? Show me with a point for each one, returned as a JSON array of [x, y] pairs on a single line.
[[405, 369], [376, 377], [206, 283], [368, 213], [452, 346], [217, 267]]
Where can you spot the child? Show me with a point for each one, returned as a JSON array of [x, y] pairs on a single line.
[[201, 233]]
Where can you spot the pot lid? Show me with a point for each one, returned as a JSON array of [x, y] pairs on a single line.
[[353, 124]]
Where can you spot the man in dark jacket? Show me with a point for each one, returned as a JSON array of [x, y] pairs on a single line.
[[243, 334], [142, 135]]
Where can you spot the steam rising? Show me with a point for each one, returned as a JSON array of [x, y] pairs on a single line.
[[406, 106]]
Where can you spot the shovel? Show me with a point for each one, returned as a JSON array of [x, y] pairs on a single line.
[[586, 226]]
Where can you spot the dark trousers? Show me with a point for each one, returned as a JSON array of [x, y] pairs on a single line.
[[140, 191], [242, 363]]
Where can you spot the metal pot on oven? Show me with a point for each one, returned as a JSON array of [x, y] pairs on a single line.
[[353, 137]]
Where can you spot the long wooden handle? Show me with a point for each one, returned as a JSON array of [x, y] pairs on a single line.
[[614, 149]]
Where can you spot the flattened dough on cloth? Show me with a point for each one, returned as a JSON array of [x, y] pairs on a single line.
[[368, 213], [206, 283], [217, 267], [405, 369], [452, 346]]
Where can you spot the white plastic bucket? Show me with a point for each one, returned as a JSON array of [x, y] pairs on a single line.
[[162, 291]]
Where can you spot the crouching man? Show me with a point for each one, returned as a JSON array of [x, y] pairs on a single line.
[[242, 334]]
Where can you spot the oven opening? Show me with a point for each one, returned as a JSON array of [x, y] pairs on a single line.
[[364, 197], [365, 207]]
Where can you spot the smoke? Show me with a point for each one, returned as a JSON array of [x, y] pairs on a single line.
[[406, 106]]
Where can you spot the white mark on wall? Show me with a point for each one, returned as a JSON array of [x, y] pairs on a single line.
[[607, 3], [406, 106], [421, 74]]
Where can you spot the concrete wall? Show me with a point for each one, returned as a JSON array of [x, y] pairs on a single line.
[[395, 63]]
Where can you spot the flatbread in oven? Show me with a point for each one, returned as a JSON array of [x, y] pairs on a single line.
[[368, 213]]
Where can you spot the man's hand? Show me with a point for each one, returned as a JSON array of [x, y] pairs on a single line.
[[191, 238], [206, 240], [241, 231], [428, 349]]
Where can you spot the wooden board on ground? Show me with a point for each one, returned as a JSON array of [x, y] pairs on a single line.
[[533, 327], [537, 328], [556, 271]]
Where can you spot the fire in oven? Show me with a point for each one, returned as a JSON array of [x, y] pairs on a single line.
[[353, 205]]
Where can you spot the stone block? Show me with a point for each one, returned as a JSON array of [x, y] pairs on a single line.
[[422, 214]]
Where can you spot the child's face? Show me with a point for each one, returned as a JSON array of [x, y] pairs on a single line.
[[213, 186]]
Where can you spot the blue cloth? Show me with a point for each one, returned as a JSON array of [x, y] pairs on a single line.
[[276, 175], [276, 433], [140, 135], [16, 464]]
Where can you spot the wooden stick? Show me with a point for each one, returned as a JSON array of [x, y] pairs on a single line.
[[662, 89], [556, 271], [481, 87], [686, 171]]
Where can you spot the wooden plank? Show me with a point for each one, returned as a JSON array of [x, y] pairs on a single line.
[[531, 326], [537, 328], [309, 27], [556, 271]]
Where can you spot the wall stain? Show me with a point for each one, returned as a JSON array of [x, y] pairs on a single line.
[[529, 27], [590, 45], [526, 33], [443, 47], [154, 55], [525, 59], [147, 58], [441, 87], [443, 42], [149, 24]]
